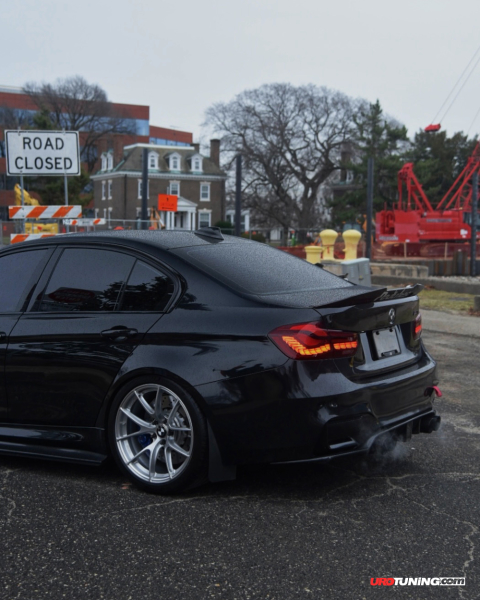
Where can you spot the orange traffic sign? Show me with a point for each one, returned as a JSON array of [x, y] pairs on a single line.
[[167, 202]]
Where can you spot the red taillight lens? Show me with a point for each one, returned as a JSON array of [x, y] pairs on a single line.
[[309, 340], [417, 327]]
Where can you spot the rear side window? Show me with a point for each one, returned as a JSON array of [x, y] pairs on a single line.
[[87, 279], [19, 273], [147, 289]]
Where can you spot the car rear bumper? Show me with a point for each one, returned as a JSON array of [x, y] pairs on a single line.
[[307, 411]]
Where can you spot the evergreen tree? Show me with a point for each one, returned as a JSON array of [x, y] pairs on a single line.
[[438, 160], [385, 141]]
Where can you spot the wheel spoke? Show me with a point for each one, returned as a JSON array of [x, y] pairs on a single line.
[[153, 459], [140, 422], [169, 462], [173, 412], [158, 404], [173, 428], [144, 403], [129, 435], [134, 458], [174, 446]]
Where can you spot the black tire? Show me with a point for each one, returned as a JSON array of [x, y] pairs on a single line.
[[158, 436]]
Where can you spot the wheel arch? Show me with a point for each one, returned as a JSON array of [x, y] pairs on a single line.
[[217, 469]]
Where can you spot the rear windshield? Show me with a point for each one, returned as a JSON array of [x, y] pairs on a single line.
[[258, 269]]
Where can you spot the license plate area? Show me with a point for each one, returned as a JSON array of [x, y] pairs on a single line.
[[385, 342]]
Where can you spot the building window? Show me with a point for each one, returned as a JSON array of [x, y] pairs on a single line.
[[104, 187], [110, 160], [174, 162], [197, 163], [104, 161], [204, 192], [152, 160], [204, 219], [174, 189], [140, 189], [109, 189]]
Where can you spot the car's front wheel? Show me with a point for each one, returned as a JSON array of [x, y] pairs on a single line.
[[158, 436]]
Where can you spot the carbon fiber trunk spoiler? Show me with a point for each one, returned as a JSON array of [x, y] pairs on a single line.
[[375, 295]]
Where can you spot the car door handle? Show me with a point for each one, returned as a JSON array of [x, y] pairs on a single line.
[[3, 335], [119, 333]]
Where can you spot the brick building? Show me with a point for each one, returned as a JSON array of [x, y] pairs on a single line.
[[197, 180], [135, 117]]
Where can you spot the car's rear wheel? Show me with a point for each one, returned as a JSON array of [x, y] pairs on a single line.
[[158, 436]]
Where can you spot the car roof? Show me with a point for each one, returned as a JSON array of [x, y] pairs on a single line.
[[166, 240]]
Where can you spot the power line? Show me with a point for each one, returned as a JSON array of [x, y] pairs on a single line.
[[456, 84], [461, 88], [473, 121]]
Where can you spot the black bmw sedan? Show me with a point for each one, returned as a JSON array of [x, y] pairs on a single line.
[[185, 354]]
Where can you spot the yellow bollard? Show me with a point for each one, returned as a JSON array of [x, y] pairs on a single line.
[[313, 254], [351, 237], [328, 237]]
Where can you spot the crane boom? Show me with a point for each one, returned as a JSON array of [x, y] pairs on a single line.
[[459, 196]]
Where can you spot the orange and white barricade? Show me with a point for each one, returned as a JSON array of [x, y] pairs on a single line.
[[44, 212], [23, 237], [85, 222]]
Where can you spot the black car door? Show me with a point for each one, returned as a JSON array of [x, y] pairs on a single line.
[[19, 272], [88, 315]]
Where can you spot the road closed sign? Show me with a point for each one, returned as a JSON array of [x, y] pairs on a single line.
[[42, 153]]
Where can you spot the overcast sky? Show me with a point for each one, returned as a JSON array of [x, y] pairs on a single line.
[[179, 57]]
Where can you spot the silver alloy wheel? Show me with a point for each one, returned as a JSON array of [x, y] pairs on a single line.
[[154, 433]]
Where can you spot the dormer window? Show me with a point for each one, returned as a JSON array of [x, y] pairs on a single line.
[[196, 163], [104, 161], [152, 160], [109, 160], [174, 162]]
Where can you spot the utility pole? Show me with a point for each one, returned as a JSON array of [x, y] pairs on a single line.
[[238, 195], [473, 241], [368, 250], [145, 189]]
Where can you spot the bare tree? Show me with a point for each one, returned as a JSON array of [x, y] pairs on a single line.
[[290, 139], [74, 104]]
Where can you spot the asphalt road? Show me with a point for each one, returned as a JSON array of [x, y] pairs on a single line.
[[278, 532]]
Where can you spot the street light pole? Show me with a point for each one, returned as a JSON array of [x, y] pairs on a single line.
[[145, 189], [368, 250], [473, 241], [238, 195]]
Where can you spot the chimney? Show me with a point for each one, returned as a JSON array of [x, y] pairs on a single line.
[[215, 152], [197, 147]]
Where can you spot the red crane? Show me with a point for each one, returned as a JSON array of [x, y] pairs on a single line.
[[413, 219]]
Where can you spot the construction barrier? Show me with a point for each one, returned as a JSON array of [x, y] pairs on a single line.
[[23, 237], [44, 212], [84, 222]]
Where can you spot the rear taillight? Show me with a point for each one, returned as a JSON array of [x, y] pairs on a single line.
[[417, 327], [309, 340]]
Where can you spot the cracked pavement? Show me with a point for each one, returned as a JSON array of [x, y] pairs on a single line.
[[278, 532]]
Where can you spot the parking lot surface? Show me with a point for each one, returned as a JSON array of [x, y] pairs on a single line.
[[277, 532]]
